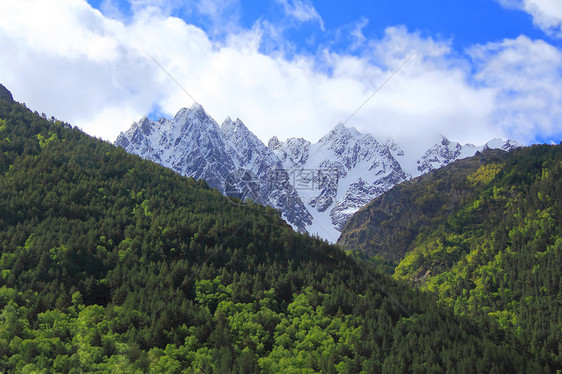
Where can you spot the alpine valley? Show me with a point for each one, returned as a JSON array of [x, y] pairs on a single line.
[[316, 186], [110, 263]]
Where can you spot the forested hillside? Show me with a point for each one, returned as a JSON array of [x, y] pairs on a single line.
[[111, 263], [389, 226], [484, 235]]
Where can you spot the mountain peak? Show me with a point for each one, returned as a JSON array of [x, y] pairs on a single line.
[[196, 107], [182, 112], [192, 115], [341, 127], [348, 130], [236, 128], [340, 133], [274, 143], [444, 141], [327, 181], [506, 145]]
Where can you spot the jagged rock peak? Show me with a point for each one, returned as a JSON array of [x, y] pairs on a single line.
[[145, 125], [339, 134], [506, 145], [445, 141], [343, 129], [274, 143], [195, 111], [235, 127], [196, 107], [394, 148]]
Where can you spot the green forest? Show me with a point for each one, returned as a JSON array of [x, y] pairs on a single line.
[[111, 263], [484, 235]]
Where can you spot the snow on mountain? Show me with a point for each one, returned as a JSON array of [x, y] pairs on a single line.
[[505, 145], [338, 175], [444, 152], [191, 144], [275, 189], [346, 169], [317, 187], [229, 158], [293, 153]]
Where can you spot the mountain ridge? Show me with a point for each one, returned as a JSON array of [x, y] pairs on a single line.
[[317, 186], [228, 157]]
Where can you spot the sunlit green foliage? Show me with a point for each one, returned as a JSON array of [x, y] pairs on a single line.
[[485, 174]]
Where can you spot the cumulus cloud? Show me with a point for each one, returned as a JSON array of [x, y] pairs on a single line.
[[70, 61], [430, 96], [526, 77], [547, 14], [67, 60]]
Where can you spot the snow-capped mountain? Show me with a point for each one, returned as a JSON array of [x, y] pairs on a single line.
[[229, 158], [445, 152], [250, 155], [317, 187], [338, 175], [349, 169], [191, 144]]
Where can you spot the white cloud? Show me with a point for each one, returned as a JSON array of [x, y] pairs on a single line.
[[68, 60], [430, 95], [547, 14], [302, 11], [218, 10], [110, 9], [223, 15], [73, 31], [526, 77], [357, 33]]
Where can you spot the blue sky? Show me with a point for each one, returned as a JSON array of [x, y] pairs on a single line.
[[465, 22], [481, 68]]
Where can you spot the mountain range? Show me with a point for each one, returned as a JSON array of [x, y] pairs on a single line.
[[316, 186]]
